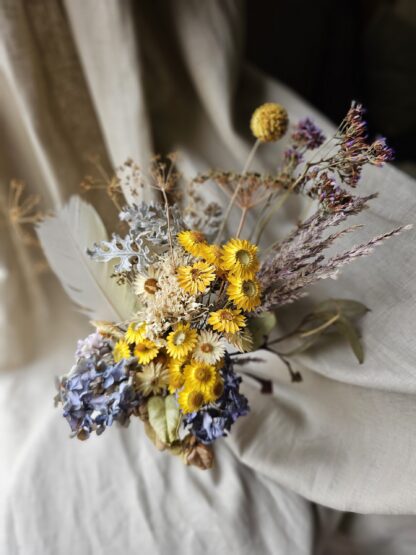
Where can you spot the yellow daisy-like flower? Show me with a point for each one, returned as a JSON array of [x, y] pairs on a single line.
[[200, 376], [181, 341], [121, 350], [190, 400], [211, 253], [196, 278], [145, 351], [191, 241], [244, 293], [227, 320], [269, 122], [215, 391], [135, 332], [176, 377], [240, 258]]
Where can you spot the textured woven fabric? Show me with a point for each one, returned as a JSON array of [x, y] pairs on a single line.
[[124, 79]]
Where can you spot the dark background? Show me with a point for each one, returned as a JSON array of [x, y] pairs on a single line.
[[332, 51]]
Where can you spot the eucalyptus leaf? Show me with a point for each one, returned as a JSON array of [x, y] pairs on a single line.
[[260, 327], [164, 417], [348, 330], [346, 307]]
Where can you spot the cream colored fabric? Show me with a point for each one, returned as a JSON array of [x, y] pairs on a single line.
[[118, 79]]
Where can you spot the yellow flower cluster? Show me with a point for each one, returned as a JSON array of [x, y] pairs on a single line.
[[198, 381], [192, 358], [135, 344], [235, 263]]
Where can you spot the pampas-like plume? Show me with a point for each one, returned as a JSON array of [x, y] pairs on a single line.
[[299, 261], [65, 238]]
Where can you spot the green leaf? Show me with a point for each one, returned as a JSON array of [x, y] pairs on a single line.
[[164, 417], [260, 327], [348, 330], [172, 417], [346, 307]]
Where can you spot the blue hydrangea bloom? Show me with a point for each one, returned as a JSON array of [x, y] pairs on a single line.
[[96, 393], [215, 420]]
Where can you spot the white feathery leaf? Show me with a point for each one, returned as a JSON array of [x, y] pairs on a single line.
[[65, 238]]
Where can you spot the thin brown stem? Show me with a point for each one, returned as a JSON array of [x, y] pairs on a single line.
[[242, 221], [237, 189]]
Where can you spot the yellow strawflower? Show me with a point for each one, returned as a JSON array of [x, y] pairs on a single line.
[[211, 253], [191, 241], [135, 332], [145, 351], [245, 294], [215, 391], [176, 377], [200, 376], [121, 350], [190, 400], [181, 341], [240, 258], [269, 122], [227, 320], [196, 278]]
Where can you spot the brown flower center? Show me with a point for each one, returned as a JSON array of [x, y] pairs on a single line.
[[243, 257], [195, 274], [226, 315], [151, 286], [218, 389], [249, 288], [198, 237], [206, 348], [202, 374], [195, 399]]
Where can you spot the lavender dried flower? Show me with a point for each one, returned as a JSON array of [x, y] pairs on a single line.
[[306, 134]]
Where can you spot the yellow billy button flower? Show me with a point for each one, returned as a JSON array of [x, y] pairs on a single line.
[[181, 341], [145, 351], [200, 376], [269, 122], [190, 400], [240, 258], [196, 278], [244, 293], [135, 332], [121, 350], [191, 241], [227, 320]]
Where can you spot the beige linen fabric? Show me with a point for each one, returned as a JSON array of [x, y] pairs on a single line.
[[121, 79]]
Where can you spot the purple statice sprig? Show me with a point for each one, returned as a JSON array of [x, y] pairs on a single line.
[[307, 135], [215, 420]]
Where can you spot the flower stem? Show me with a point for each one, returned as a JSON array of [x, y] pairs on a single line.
[[237, 189]]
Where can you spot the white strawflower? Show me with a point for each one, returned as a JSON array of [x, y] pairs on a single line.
[[146, 284], [210, 347]]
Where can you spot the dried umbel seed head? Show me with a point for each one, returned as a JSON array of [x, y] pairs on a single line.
[[269, 122]]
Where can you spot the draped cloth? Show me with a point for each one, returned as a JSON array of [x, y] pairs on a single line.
[[119, 79]]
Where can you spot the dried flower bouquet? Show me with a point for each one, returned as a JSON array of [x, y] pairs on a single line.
[[175, 301]]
